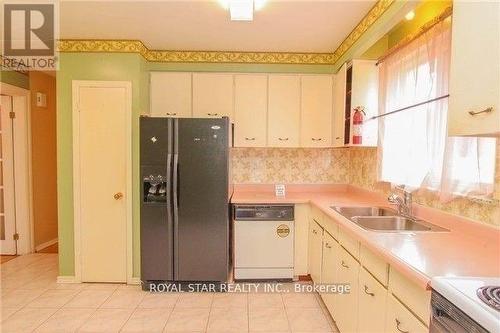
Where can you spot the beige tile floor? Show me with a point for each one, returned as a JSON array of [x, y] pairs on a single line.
[[32, 301]]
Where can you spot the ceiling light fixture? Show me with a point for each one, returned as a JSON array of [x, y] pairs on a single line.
[[410, 16], [242, 10]]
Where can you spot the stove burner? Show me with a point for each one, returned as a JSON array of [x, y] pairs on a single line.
[[490, 295]]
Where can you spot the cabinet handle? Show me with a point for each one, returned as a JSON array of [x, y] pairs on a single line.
[[487, 110], [250, 139], [318, 139], [344, 264], [283, 139], [212, 114], [314, 231], [398, 323], [337, 138], [367, 292], [328, 246], [171, 114]]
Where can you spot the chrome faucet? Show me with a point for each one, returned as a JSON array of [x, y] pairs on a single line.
[[403, 203]]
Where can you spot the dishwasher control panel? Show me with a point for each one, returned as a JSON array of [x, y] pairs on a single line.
[[263, 212]]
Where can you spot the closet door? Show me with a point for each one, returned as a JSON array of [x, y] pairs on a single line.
[[212, 95], [316, 111], [170, 95], [284, 111], [250, 110]]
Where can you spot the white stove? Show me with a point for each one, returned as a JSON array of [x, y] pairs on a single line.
[[476, 297]]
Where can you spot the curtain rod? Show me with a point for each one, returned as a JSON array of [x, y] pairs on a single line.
[[410, 107], [426, 27]]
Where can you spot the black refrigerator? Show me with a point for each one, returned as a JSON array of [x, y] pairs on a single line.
[[185, 200]]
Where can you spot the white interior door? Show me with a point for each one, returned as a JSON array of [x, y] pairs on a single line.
[[7, 197], [102, 148]]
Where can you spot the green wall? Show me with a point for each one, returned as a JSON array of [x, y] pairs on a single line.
[[15, 78], [120, 67]]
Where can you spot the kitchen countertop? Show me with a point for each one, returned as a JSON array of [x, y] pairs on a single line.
[[470, 248]]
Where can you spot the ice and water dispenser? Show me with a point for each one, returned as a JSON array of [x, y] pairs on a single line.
[[154, 189]]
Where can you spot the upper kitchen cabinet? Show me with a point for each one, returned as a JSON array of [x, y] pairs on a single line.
[[316, 111], [170, 94], [212, 95], [339, 97], [250, 110], [475, 69], [283, 110]]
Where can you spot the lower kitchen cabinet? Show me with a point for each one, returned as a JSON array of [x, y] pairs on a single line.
[[400, 319], [346, 314], [328, 269], [315, 250], [372, 301]]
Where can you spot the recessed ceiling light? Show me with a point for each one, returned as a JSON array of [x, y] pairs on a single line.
[[410, 16], [242, 10]]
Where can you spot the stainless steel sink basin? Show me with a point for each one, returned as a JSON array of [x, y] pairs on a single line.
[[385, 220], [349, 211]]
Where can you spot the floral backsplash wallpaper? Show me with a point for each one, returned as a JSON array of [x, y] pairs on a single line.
[[356, 166], [290, 166]]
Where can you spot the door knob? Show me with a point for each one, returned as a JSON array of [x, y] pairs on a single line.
[[118, 195]]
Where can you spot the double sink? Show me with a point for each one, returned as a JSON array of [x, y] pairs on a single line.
[[385, 220]]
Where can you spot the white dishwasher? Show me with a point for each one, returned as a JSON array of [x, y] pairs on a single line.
[[263, 242]]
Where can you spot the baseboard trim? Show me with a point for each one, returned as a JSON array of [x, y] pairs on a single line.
[[46, 244], [134, 280], [67, 279]]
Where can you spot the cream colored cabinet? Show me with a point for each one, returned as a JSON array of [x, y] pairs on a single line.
[[283, 111], [400, 319], [212, 95], [346, 316], [315, 251], [372, 302], [301, 233], [328, 269], [170, 94], [339, 96], [475, 69], [316, 111], [250, 110]]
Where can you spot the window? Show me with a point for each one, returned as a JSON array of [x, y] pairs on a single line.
[[415, 150]]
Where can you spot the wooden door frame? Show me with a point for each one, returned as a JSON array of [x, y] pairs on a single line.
[[22, 156], [76, 85]]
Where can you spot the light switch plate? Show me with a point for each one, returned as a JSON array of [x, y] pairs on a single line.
[[41, 100]]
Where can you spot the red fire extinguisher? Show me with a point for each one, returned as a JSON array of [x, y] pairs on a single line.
[[357, 125]]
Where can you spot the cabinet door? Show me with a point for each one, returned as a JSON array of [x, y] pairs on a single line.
[[212, 95], [365, 94], [346, 315], [328, 269], [284, 111], [399, 319], [315, 251], [250, 110], [475, 69], [316, 111], [339, 95], [170, 94], [372, 304]]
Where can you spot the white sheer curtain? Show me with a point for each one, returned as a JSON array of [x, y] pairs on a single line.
[[415, 150]]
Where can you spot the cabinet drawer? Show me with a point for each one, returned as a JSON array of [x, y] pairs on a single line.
[[349, 243], [331, 226], [316, 215], [400, 319], [372, 304], [374, 264], [414, 297]]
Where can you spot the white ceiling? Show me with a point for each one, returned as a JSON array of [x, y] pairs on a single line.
[[281, 26]]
